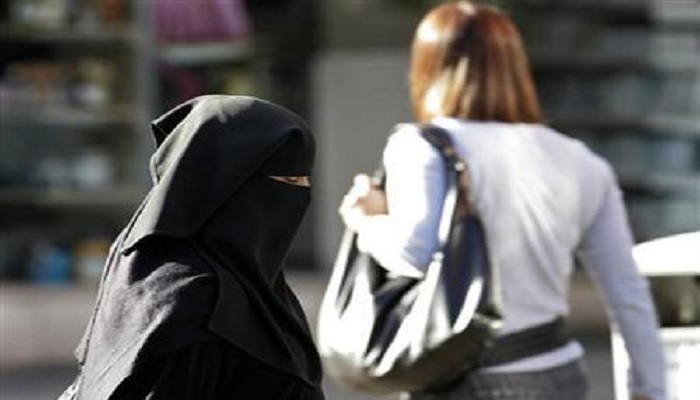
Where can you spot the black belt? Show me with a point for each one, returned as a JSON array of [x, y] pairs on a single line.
[[515, 346], [526, 343]]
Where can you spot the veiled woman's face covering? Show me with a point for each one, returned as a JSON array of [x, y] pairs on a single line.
[[257, 225]]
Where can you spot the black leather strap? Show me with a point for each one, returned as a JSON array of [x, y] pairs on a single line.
[[454, 166], [526, 343], [439, 138]]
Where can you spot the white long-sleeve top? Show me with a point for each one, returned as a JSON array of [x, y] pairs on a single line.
[[544, 198]]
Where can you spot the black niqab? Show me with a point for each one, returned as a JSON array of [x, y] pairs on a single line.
[[207, 148], [212, 189]]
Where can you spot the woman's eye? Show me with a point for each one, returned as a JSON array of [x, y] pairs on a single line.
[[293, 180]]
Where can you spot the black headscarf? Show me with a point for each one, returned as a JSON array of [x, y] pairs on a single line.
[[207, 149], [212, 190]]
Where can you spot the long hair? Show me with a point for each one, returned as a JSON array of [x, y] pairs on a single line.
[[468, 61]]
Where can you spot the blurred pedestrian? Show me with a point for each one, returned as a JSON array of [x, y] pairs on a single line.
[[193, 302], [545, 199]]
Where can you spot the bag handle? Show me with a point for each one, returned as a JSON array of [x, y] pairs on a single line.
[[456, 196], [458, 206], [457, 177]]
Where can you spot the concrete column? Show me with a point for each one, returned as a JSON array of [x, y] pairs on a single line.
[[359, 95]]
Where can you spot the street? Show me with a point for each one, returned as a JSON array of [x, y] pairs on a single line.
[[46, 383], [46, 380]]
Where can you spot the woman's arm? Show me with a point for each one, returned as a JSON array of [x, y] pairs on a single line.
[[606, 253], [404, 239]]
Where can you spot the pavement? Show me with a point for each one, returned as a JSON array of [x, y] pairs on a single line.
[[44, 378], [47, 382]]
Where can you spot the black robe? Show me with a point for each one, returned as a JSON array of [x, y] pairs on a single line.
[[202, 258]]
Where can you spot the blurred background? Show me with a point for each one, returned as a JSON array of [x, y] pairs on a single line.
[[81, 79]]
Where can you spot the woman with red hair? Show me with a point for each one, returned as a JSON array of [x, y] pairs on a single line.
[[545, 200]]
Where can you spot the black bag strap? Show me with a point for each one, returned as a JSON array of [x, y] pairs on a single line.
[[439, 138], [456, 173]]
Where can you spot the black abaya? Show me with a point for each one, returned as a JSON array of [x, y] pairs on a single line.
[[213, 370], [202, 259]]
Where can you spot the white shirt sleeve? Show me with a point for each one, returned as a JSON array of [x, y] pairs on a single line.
[[404, 240], [606, 252]]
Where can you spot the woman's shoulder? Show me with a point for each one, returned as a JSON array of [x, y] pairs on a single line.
[[592, 165], [406, 139], [409, 136], [582, 148]]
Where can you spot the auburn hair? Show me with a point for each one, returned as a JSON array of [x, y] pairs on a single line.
[[468, 61]]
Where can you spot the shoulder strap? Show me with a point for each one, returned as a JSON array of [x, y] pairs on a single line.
[[439, 138], [456, 178]]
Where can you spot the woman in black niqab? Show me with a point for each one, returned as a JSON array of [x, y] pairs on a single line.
[[193, 302]]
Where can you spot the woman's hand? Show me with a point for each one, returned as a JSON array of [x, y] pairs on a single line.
[[362, 200]]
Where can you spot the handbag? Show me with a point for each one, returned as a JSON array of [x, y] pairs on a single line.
[[382, 333]]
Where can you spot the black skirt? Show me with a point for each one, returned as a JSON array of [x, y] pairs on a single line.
[[212, 370]]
